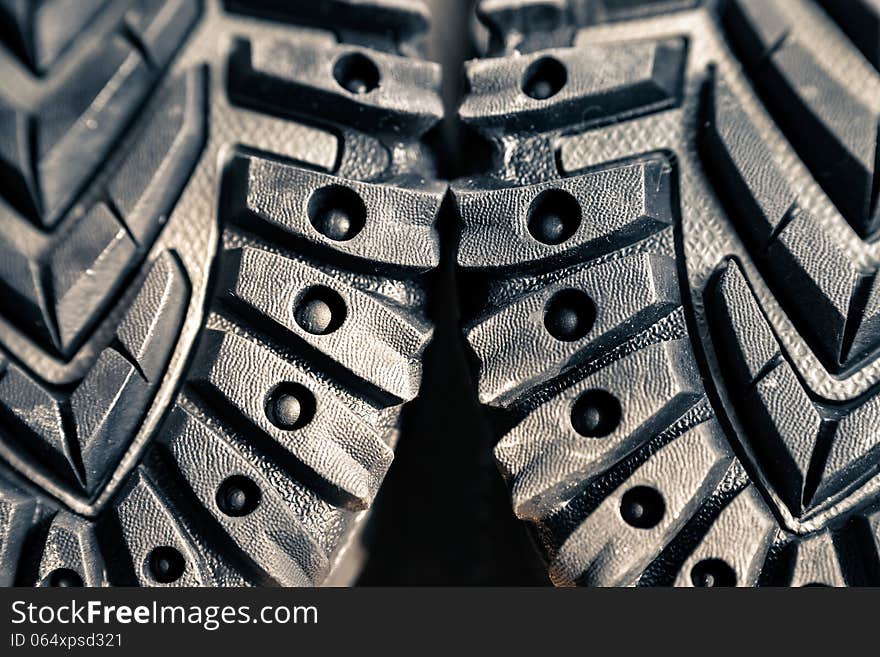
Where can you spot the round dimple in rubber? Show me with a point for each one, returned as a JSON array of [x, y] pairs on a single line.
[[165, 564], [595, 413], [319, 310], [554, 216], [544, 78], [569, 315], [238, 496], [64, 578], [337, 212], [356, 73], [713, 573], [642, 507], [290, 406]]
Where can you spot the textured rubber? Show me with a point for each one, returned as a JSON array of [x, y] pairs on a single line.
[[675, 312], [214, 230]]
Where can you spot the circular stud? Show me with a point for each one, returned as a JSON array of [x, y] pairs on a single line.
[[238, 496], [713, 573], [642, 507], [569, 315], [544, 78], [595, 414], [356, 73], [319, 310], [554, 216], [337, 212], [64, 578], [166, 564], [290, 406]]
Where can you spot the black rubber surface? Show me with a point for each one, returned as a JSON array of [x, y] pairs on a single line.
[[227, 231], [216, 223], [672, 280]]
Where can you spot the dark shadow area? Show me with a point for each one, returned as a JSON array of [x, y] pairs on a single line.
[[443, 515]]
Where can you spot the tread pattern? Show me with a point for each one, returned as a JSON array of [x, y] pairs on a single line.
[[387, 25], [793, 247], [718, 434], [61, 270], [817, 104], [65, 266], [79, 434], [646, 79], [812, 451], [528, 25], [861, 21], [251, 459], [39, 32]]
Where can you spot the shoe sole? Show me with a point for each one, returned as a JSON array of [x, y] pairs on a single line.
[[215, 231], [672, 269]]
